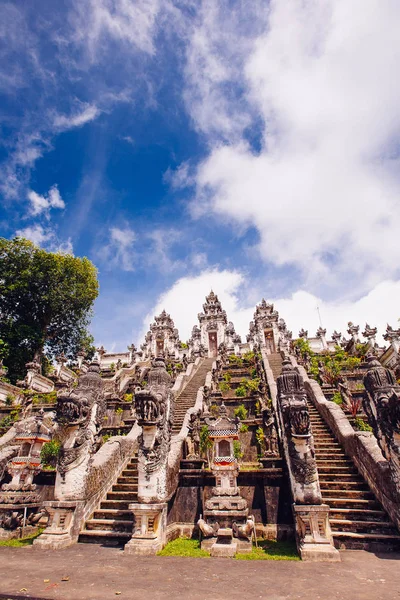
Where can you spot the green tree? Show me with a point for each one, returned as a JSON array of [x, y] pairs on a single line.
[[46, 301]]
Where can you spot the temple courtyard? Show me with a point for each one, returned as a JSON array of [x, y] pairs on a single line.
[[94, 572]]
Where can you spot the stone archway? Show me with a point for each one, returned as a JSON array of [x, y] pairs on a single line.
[[269, 341], [212, 344]]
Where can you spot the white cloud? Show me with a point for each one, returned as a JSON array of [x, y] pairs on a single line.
[[185, 298], [123, 20], [323, 191], [43, 204], [36, 234], [119, 251], [65, 247], [88, 113]]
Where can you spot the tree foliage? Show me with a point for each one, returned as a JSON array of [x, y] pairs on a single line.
[[46, 300]]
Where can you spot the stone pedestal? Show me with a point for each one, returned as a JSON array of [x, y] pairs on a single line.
[[224, 546], [64, 525], [313, 533], [149, 530]]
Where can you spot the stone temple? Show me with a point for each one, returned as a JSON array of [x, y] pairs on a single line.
[[218, 438]]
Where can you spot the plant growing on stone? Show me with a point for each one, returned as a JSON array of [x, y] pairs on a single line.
[[260, 437], [237, 450], [128, 397], [355, 405], [224, 386], [251, 385], [249, 357], [241, 391], [205, 442], [337, 398], [227, 376], [214, 410], [241, 412], [119, 411], [10, 398], [235, 360], [49, 453], [361, 425], [243, 428]]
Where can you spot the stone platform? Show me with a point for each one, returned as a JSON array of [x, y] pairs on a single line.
[[97, 573]]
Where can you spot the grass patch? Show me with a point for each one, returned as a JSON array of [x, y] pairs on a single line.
[[21, 542], [184, 547], [270, 550], [267, 550]]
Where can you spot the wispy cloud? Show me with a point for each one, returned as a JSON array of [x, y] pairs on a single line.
[[88, 113], [119, 251], [43, 204]]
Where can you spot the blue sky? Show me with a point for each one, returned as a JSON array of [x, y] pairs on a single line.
[[182, 145]]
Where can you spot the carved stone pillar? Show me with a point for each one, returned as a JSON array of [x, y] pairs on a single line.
[[149, 536], [64, 525], [313, 533]]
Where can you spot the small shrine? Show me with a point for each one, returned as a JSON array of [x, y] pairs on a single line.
[[226, 527], [27, 463]]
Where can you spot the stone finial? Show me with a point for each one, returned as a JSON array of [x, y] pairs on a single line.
[[353, 330], [391, 334]]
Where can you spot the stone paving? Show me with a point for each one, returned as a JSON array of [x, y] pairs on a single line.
[[95, 572]]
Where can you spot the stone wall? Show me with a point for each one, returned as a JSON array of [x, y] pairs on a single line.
[[266, 492]]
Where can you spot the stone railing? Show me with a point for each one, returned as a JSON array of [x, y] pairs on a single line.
[[67, 517], [65, 374], [311, 515], [108, 462], [39, 383], [360, 446], [7, 390]]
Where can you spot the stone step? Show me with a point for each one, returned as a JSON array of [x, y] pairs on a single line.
[[114, 505], [385, 527], [126, 496], [375, 542], [108, 525], [344, 493], [127, 479], [343, 477], [125, 487], [129, 473], [327, 466], [350, 502], [112, 513], [107, 538], [358, 514], [336, 451], [340, 485], [332, 462]]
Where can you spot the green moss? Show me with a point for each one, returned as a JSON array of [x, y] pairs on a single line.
[[270, 550], [21, 542], [184, 547]]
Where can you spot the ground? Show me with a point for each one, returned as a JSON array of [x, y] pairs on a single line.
[[98, 573]]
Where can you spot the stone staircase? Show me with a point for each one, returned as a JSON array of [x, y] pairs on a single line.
[[187, 397], [275, 362], [357, 519], [112, 523]]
